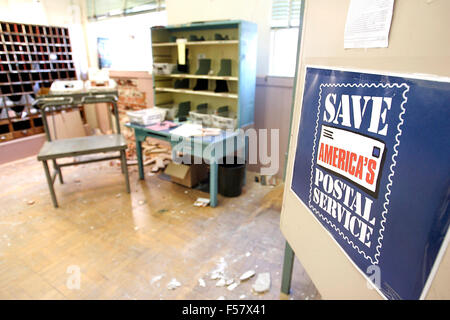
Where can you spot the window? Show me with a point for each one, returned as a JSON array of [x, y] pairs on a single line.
[[100, 9], [285, 24]]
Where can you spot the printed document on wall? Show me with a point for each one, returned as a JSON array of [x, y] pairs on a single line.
[[368, 24]]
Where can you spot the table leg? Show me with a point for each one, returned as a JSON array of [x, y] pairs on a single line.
[[57, 168], [139, 158], [287, 269], [50, 183], [245, 159], [123, 161], [213, 183]]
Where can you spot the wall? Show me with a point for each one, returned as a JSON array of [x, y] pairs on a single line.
[[258, 11], [130, 40], [274, 96]]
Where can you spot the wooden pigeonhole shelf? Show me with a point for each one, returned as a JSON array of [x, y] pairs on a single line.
[[31, 58]]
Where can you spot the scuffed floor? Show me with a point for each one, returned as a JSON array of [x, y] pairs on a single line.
[[132, 246]]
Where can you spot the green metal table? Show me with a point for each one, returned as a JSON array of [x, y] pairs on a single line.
[[62, 148], [212, 149]]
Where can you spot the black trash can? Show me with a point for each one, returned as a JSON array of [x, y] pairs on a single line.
[[231, 178]]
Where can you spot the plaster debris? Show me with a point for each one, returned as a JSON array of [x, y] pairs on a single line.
[[248, 254], [30, 202], [229, 281], [118, 195], [242, 296], [220, 283], [173, 284], [186, 192], [247, 275], [157, 278], [136, 228], [141, 202], [92, 227], [220, 269], [262, 283], [201, 283], [233, 286], [216, 276], [221, 298]]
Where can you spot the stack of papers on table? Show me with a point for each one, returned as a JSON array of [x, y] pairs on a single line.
[[194, 130]]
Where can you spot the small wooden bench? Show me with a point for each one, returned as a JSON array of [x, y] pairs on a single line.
[[72, 147]]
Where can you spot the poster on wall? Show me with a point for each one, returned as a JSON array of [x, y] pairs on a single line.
[[104, 52], [372, 166]]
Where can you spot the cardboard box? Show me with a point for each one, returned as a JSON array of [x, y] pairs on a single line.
[[187, 175]]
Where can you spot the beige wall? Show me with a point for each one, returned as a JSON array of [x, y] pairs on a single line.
[[257, 11], [273, 96], [417, 44]]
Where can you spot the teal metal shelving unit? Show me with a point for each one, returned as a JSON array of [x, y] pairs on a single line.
[[237, 41]]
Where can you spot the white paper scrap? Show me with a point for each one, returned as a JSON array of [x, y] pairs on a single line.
[[368, 23]]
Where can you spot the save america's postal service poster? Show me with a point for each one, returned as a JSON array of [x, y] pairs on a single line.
[[372, 165]]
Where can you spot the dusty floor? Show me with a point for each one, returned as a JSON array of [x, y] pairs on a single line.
[[132, 246]]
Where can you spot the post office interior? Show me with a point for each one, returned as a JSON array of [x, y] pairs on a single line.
[[148, 149]]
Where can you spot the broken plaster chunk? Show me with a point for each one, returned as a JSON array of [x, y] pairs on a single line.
[[215, 276], [262, 283], [156, 278], [242, 296], [30, 202], [232, 286], [248, 254], [201, 283], [220, 283], [247, 275], [229, 281], [173, 284], [221, 298]]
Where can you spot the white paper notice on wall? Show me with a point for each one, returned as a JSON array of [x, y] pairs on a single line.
[[368, 24]]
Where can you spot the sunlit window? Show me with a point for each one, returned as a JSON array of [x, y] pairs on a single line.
[[284, 37]]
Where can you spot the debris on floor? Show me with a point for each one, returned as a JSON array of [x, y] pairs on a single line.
[[242, 296], [30, 202], [221, 298], [262, 283], [266, 180], [201, 283], [232, 286], [247, 275], [220, 283], [201, 202], [173, 284], [219, 272], [156, 278]]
